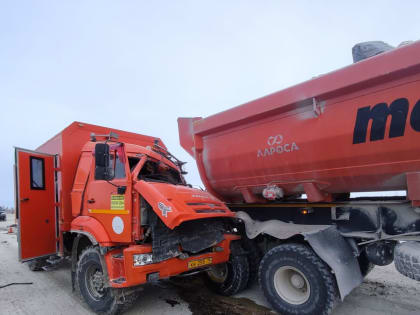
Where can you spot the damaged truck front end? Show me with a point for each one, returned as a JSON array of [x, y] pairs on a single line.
[[125, 217]]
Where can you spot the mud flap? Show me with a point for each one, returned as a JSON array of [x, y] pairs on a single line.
[[332, 248]]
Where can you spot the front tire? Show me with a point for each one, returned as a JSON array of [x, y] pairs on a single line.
[[92, 287], [296, 281], [228, 278]]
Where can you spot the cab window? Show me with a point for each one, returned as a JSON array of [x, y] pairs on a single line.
[[132, 162], [159, 172], [117, 167]]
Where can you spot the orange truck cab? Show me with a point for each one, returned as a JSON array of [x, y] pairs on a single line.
[[117, 204]]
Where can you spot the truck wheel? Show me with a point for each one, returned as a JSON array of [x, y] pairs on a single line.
[[228, 278], [365, 265], [254, 258], [296, 281], [407, 259], [92, 287]]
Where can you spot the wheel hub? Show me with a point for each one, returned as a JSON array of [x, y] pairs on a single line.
[[218, 273], [95, 282], [98, 281], [297, 281], [291, 285]]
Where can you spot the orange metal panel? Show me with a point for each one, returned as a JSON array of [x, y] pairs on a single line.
[[175, 204], [35, 206]]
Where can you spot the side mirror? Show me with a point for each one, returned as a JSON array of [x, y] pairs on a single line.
[[102, 161]]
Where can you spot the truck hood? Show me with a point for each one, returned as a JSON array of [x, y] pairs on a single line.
[[175, 204]]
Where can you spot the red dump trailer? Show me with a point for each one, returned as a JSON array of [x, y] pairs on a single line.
[[286, 164]]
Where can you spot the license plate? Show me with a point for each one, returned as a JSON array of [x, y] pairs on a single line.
[[199, 262]]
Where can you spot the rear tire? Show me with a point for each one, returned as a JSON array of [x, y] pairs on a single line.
[[90, 283], [254, 258], [296, 281], [407, 259], [365, 265], [228, 278]]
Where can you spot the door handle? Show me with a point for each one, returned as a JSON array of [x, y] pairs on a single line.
[[24, 199], [91, 200]]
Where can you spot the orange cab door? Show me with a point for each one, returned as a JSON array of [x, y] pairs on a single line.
[[110, 207], [35, 204]]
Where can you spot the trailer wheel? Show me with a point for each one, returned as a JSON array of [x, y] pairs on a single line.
[[407, 259], [296, 281], [365, 265], [91, 285], [228, 278], [254, 258]]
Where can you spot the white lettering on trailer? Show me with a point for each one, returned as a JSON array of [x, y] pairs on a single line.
[[276, 146], [117, 225], [272, 140]]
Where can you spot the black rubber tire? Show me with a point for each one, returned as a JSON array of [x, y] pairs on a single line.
[[323, 288], [254, 258], [108, 303], [407, 259], [365, 265], [236, 279], [37, 264]]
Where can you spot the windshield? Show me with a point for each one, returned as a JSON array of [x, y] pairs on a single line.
[[160, 172]]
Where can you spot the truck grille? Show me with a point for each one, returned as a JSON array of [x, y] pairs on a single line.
[[206, 207]]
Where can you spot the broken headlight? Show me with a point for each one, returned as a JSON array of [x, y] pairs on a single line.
[[142, 259]]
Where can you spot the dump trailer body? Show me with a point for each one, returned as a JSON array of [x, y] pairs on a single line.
[[356, 129]]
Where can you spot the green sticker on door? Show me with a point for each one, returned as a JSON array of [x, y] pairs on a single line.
[[117, 202]]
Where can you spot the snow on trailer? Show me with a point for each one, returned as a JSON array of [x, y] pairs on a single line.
[[356, 129]]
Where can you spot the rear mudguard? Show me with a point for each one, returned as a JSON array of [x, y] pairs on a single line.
[[326, 242]]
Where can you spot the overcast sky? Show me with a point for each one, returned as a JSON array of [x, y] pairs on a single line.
[[138, 65]]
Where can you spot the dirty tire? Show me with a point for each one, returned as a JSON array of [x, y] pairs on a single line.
[[101, 301], [254, 258], [365, 265], [407, 259], [37, 264], [317, 290], [236, 276]]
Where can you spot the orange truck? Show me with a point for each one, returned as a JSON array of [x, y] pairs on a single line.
[[117, 205], [287, 164]]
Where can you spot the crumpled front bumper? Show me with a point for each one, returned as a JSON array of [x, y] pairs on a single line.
[[122, 272]]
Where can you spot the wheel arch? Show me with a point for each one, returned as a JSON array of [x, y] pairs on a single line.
[[92, 229]]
